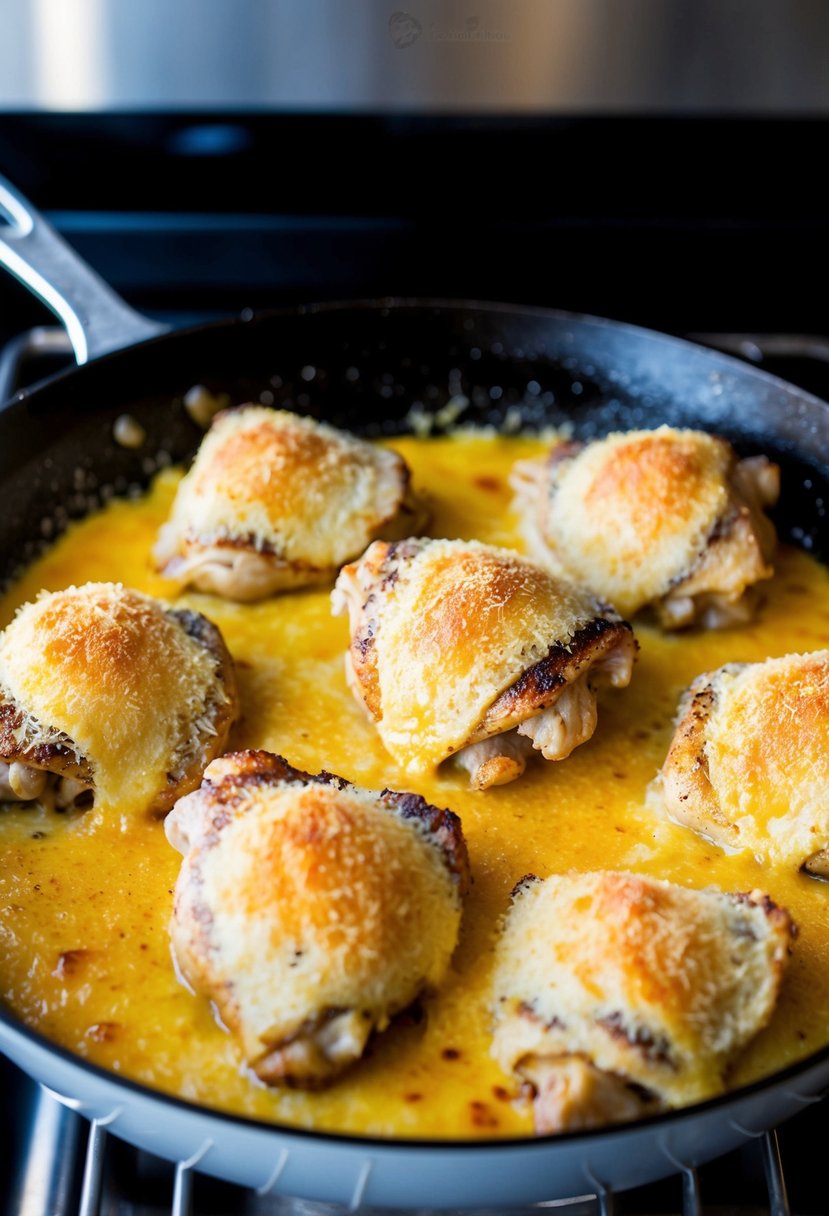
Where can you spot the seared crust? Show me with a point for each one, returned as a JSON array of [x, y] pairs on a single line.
[[229, 779], [311, 911], [538, 688], [56, 757], [454, 642], [108, 687], [360, 590], [684, 783], [748, 766], [275, 501], [667, 519], [443, 827], [653, 985]]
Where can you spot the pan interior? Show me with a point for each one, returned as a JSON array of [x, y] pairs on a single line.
[[578, 394]]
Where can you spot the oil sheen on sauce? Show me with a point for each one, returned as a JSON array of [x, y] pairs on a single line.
[[85, 900]]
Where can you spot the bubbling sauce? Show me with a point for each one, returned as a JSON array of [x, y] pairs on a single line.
[[85, 899]]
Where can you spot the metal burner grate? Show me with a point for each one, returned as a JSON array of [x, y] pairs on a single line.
[[68, 1167]]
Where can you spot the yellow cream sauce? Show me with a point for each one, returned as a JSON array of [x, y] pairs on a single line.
[[85, 899]]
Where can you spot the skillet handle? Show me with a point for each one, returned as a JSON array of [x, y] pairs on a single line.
[[97, 320]]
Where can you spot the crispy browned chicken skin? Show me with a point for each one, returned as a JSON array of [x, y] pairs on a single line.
[[748, 766], [669, 520], [107, 694], [461, 649], [616, 995], [309, 910], [276, 501]]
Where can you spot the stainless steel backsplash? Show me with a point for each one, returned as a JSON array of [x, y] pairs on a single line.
[[644, 56]]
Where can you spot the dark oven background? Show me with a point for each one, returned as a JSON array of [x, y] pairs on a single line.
[[680, 223]]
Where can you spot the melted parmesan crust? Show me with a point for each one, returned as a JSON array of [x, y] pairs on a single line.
[[455, 641], [666, 518], [309, 910], [748, 766], [275, 501], [109, 686], [644, 980]]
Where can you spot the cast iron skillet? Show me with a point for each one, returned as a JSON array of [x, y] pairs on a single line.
[[365, 365]]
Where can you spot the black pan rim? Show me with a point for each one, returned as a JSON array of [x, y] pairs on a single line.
[[15, 1026], [380, 304]]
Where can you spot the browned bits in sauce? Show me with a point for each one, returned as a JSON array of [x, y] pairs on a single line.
[[502, 1094], [413, 1097], [492, 484], [413, 1016], [70, 962], [451, 1053], [103, 1032], [481, 1115]]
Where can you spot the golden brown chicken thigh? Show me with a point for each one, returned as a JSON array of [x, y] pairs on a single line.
[[617, 995], [276, 501], [748, 766], [107, 694], [461, 649], [311, 911], [668, 519]]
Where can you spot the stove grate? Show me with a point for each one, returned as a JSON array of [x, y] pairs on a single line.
[[69, 1167]]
